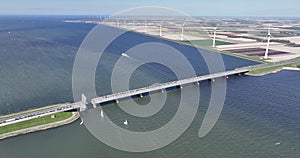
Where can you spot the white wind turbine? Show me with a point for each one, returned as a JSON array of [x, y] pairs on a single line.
[[118, 23], [145, 26], [125, 24], [133, 23], [214, 38], [268, 37], [160, 29], [182, 31]]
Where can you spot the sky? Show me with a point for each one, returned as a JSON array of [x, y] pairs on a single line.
[[266, 8]]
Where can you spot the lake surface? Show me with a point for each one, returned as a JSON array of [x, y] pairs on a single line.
[[36, 61]]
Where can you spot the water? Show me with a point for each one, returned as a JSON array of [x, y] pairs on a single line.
[[36, 61]]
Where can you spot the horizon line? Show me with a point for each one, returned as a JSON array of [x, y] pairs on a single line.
[[225, 16]]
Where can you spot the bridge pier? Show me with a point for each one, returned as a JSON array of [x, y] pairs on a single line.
[[82, 106], [179, 86], [140, 92], [83, 99], [212, 80]]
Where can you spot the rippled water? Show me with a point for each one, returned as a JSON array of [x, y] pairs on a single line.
[[36, 61]]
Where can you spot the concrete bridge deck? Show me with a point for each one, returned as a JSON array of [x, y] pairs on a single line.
[[179, 83], [161, 87]]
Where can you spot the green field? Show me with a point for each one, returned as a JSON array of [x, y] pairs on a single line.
[[252, 58], [35, 122], [265, 70], [274, 68], [205, 43]]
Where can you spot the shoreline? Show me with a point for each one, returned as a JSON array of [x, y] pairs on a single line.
[[274, 71], [221, 52], [75, 116], [177, 41]]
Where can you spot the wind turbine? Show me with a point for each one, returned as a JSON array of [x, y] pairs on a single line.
[[133, 24], [118, 23], [214, 38], [125, 25], [160, 29], [268, 37], [182, 31], [145, 26]]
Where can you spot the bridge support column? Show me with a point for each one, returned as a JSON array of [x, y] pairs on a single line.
[[82, 108], [84, 102]]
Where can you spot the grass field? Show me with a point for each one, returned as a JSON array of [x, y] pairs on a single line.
[[201, 44], [271, 69], [208, 44], [204, 43], [252, 58], [35, 122]]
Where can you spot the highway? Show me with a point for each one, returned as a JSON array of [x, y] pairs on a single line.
[[24, 117]]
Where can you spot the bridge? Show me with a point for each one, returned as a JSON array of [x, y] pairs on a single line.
[[162, 87], [180, 83]]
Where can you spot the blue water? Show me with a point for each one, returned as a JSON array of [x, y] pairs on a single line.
[[36, 61]]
